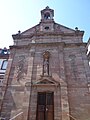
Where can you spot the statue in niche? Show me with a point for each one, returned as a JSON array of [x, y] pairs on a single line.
[[46, 63], [46, 67]]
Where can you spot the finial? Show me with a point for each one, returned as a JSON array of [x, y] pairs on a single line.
[[19, 32], [76, 28], [47, 7]]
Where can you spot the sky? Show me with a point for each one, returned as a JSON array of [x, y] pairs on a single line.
[[21, 15]]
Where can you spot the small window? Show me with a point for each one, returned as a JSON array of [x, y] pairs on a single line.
[[4, 65], [46, 28]]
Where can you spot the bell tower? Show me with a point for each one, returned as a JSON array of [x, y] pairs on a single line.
[[47, 14], [47, 21]]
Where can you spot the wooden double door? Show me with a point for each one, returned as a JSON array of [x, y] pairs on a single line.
[[45, 106]]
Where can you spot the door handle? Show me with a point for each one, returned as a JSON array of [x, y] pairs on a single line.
[[46, 109]]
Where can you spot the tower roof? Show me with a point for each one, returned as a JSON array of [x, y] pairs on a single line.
[[47, 9]]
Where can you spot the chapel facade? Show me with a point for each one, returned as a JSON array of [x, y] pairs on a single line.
[[48, 76]]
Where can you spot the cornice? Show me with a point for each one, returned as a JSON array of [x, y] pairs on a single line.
[[20, 47], [75, 44], [48, 44], [43, 33]]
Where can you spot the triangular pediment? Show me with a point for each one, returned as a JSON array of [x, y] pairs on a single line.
[[46, 81], [64, 29], [57, 27], [31, 30], [40, 30]]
